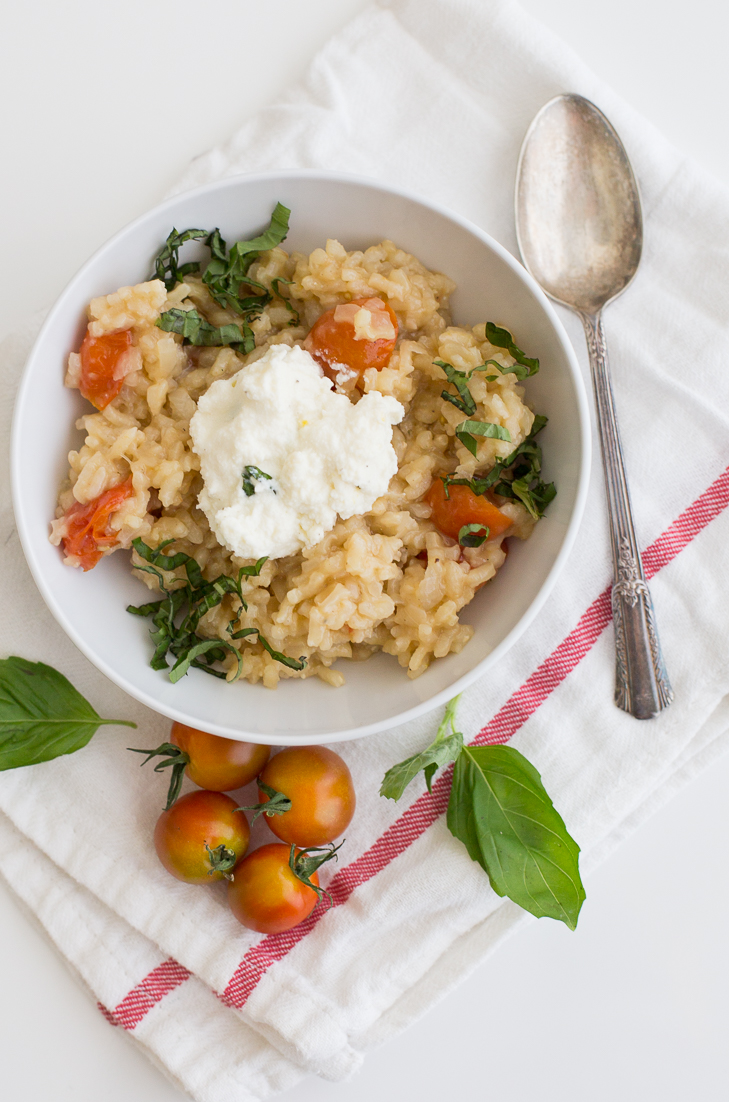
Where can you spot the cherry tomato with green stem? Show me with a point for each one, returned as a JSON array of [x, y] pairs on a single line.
[[211, 762], [202, 837], [276, 887], [318, 785]]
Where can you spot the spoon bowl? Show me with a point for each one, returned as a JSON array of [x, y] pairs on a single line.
[[578, 214]]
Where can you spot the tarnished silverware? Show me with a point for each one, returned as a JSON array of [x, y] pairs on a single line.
[[580, 232]]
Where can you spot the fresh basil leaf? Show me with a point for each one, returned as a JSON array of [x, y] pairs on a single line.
[[41, 714], [252, 474], [502, 338], [166, 266], [194, 329], [467, 432], [501, 812], [444, 748], [473, 535]]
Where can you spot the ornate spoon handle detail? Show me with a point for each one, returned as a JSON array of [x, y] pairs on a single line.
[[641, 682]]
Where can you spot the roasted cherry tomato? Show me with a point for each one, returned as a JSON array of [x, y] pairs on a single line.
[[462, 506], [100, 381], [87, 525], [340, 336], [218, 764], [202, 837], [319, 786], [266, 894]]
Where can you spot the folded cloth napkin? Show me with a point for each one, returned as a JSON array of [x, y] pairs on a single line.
[[434, 95]]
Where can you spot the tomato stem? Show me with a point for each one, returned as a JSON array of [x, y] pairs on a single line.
[[302, 865], [176, 758], [276, 804], [221, 860]]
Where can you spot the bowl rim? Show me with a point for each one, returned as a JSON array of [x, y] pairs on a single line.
[[527, 618]]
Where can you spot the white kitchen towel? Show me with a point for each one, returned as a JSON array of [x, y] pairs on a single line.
[[434, 95]]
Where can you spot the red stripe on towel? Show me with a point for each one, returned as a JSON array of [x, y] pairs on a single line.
[[140, 1000]]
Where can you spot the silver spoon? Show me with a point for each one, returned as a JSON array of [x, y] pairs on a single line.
[[580, 232]]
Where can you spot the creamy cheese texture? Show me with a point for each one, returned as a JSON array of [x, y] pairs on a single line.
[[326, 456]]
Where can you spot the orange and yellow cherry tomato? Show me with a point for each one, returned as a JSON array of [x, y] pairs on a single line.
[[100, 381], [202, 837], [333, 341], [265, 895], [320, 788], [462, 506], [218, 764], [87, 531]]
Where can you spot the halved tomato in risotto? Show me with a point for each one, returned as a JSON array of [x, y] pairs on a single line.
[[102, 373], [87, 526], [462, 507], [354, 336]]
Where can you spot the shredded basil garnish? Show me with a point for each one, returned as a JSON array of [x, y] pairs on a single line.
[[176, 617], [502, 338], [515, 476], [467, 432], [250, 475], [292, 663], [226, 277], [226, 271], [464, 400], [523, 367], [166, 266], [473, 535], [194, 329]]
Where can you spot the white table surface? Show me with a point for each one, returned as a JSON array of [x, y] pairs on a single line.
[[103, 106]]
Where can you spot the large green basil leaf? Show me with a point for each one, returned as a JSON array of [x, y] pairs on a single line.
[[501, 812], [41, 714]]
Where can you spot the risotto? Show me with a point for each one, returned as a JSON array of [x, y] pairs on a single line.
[[393, 577]]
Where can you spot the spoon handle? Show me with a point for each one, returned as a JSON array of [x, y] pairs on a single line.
[[642, 687]]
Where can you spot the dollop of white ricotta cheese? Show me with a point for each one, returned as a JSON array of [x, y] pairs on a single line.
[[326, 456]]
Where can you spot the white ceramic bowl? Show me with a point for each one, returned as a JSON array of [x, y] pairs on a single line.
[[91, 607]]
